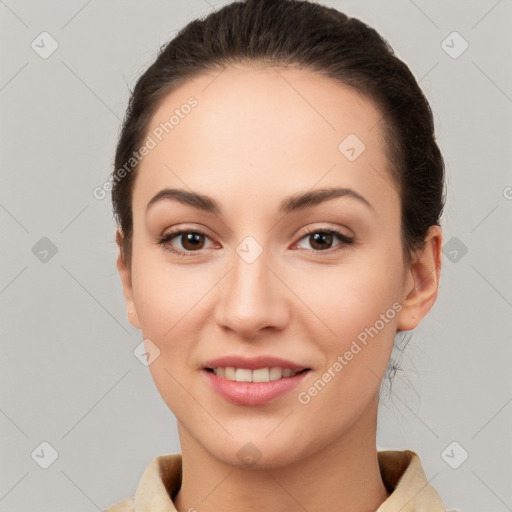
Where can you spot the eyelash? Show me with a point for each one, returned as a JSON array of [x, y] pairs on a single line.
[[346, 241]]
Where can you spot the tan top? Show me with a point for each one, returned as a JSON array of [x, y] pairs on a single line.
[[401, 471]]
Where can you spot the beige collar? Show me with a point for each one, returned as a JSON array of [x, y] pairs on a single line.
[[402, 474]]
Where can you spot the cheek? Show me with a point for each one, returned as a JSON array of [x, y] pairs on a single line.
[[173, 304], [358, 305], [165, 293], [362, 313], [350, 297], [168, 303]]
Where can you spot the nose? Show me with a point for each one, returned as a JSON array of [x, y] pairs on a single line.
[[252, 298]]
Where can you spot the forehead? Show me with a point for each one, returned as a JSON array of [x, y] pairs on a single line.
[[261, 128]]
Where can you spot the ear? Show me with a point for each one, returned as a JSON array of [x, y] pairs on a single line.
[[422, 283], [126, 280]]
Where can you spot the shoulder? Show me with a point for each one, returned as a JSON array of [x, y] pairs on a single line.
[[409, 490], [126, 505], [161, 477]]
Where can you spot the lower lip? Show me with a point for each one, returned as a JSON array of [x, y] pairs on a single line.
[[252, 393]]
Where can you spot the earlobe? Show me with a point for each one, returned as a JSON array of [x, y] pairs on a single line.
[[126, 281], [422, 285]]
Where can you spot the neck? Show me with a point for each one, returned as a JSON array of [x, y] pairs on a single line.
[[342, 476]]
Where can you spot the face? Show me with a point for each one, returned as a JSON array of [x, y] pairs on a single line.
[[266, 266]]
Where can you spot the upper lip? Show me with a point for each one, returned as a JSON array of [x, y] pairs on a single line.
[[253, 363]]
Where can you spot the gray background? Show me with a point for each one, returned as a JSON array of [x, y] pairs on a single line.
[[69, 375]]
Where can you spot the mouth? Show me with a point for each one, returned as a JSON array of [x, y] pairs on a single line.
[[256, 380], [251, 387], [265, 374]]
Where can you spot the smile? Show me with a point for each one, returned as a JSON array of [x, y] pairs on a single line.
[[258, 375], [241, 386]]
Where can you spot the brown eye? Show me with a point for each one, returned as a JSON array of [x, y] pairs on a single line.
[[192, 240], [321, 240], [188, 241]]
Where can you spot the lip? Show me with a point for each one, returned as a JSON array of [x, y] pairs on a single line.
[[253, 363], [251, 393]]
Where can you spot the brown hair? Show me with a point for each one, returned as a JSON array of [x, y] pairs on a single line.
[[305, 35]]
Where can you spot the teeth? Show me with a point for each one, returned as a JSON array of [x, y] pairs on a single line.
[[259, 375], [242, 375], [276, 373]]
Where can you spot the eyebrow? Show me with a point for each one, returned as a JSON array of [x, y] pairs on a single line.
[[295, 202]]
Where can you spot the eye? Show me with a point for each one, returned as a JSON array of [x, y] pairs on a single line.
[[322, 239], [190, 240]]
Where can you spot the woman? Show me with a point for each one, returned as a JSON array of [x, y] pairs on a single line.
[[278, 191]]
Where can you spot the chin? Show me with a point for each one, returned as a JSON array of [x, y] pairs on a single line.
[[255, 452]]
